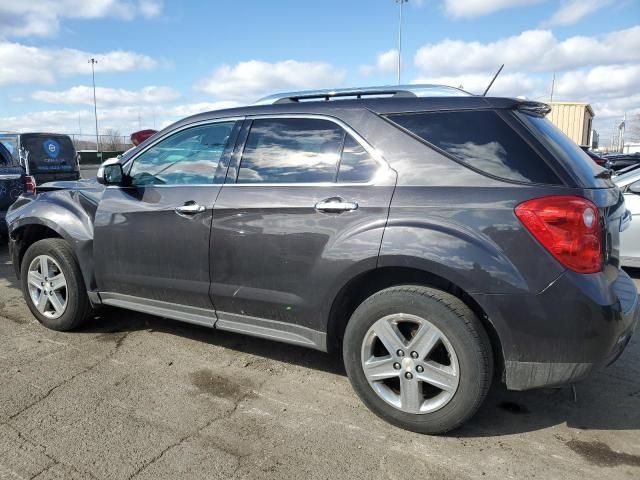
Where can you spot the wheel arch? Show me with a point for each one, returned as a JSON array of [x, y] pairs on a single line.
[[365, 284], [27, 231]]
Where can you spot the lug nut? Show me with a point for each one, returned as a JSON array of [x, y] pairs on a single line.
[[419, 369], [400, 353], [396, 366], [414, 354], [408, 376], [42, 283]]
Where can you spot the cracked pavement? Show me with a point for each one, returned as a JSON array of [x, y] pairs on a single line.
[[133, 396]]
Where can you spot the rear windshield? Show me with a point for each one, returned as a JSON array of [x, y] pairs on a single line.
[[482, 140], [49, 153], [563, 148]]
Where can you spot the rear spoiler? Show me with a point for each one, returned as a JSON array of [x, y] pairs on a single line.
[[537, 109]]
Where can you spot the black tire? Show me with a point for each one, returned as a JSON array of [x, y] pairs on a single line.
[[462, 329], [78, 307]]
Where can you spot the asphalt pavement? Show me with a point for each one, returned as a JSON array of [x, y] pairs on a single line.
[[133, 396]]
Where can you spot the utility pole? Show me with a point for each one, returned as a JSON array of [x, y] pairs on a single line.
[[553, 84], [401, 2], [93, 62]]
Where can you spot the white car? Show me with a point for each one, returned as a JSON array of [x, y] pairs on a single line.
[[629, 183]]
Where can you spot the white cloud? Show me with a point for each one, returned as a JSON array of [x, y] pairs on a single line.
[[572, 11], [42, 17], [533, 50], [25, 64], [83, 94], [126, 118], [385, 62], [477, 8], [506, 85], [618, 81], [254, 78]]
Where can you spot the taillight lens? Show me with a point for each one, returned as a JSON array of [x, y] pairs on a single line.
[[568, 227], [29, 184]]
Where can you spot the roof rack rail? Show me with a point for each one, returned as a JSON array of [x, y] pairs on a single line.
[[418, 90]]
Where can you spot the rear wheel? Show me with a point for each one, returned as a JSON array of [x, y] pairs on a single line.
[[52, 285], [418, 357]]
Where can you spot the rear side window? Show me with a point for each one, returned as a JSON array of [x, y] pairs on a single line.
[[291, 150], [481, 140]]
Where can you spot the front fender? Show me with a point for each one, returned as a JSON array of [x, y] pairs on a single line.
[[68, 213]]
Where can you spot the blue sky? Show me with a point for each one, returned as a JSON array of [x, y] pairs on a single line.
[[159, 61]]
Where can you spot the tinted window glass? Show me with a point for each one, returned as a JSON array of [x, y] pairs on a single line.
[[10, 142], [356, 165], [291, 150], [482, 140], [49, 153], [560, 145], [187, 157], [6, 159]]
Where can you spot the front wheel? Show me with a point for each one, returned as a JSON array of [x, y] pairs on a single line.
[[52, 285], [418, 358]]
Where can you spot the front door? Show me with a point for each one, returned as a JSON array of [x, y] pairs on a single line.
[[151, 237], [303, 213]]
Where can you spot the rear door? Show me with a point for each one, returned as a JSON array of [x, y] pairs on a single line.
[[292, 222], [11, 179]]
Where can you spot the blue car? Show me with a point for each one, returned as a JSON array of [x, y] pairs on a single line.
[[13, 182]]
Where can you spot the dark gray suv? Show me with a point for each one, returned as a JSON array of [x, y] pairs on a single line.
[[433, 237]]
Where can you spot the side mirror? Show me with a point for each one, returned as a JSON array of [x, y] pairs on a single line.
[[110, 173], [635, 187]]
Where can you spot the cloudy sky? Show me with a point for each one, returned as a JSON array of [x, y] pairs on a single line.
[[160, 61]]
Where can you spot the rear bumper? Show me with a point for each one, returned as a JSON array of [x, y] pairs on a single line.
[[576, 325]]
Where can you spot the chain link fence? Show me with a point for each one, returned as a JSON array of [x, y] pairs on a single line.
[[106, 143]]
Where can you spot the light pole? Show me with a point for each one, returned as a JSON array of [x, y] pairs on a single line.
[[93, 62], [401, 2]]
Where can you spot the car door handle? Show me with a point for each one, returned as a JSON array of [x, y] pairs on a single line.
[[335, 205], [190, 208]]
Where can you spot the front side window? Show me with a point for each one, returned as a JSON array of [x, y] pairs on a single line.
[[291, 150], [188, 157], [482, 140]]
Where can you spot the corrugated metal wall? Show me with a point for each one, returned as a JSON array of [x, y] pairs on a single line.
[[572, 119]]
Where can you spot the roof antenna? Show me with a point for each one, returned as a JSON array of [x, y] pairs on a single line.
[[493, 80]]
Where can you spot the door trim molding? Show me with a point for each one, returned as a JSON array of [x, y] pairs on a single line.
[[184, 313], [273, 330], [232, 322]]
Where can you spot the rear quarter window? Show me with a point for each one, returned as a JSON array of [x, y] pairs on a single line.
[[481, 140]]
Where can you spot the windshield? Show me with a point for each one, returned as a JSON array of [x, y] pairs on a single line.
[[10, 142], [49, 153]]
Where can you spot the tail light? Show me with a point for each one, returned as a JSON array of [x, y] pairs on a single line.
[[568, 227], [30, 184]]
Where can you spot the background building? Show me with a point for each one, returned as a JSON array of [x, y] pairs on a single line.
[[574, 119]]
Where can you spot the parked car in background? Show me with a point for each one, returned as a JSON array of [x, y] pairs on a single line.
[[431, 236], [140, 136], [603, 162], [13, 183], [618, 161], [47, 157], [629, 184]]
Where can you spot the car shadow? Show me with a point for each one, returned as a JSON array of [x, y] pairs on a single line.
[[609, 400]]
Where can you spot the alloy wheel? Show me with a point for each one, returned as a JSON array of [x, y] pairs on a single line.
[[410, 363], [47, 286]]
